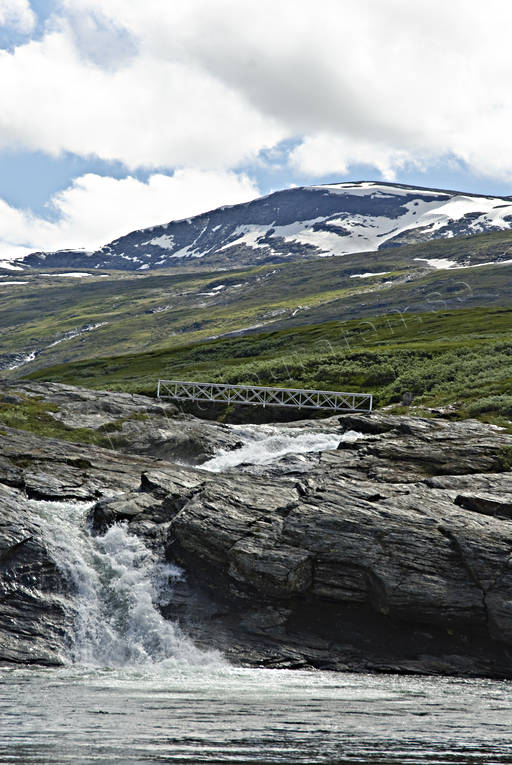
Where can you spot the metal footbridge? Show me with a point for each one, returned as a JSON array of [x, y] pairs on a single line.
[[253, 395]]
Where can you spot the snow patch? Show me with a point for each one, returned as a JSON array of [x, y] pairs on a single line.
[[75, 275], [444, 263], [184, 252], [427, 210], [368, 275], [214, 292], [439, 263], [166, 242], [248, 235]]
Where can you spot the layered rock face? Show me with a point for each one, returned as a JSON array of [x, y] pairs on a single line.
[[391, 553], [363, 558]]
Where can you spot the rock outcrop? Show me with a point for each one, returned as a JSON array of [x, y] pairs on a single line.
[[130, 423], [391, 553]]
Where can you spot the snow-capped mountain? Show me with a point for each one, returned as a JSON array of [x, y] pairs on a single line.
[[336, 219]]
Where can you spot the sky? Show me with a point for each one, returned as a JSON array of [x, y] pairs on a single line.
[[121, 114]]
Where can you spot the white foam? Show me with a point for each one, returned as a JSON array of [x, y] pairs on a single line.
[[118, 585], [265, 444]]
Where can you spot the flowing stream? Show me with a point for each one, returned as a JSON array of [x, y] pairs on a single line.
[[265, 444], [135, 689]]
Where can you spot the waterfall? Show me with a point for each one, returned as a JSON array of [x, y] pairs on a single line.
[[118, 586]]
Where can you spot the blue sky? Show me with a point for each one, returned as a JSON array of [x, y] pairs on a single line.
[[30, 179], [117, 115]]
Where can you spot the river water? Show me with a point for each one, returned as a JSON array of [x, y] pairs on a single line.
[[192, 714], [134, 689]]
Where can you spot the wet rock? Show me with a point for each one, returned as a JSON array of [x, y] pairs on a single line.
[[175, 482], [371, 425], [382, 579], [34, 620], [11, 474], [123, 508], [46, 468]]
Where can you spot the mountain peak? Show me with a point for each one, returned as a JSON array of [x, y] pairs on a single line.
[[332, 219]]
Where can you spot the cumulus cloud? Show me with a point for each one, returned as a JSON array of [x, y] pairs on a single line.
[[17, 15], [325, 153], [210, 83], [94, 209], [149, 112]]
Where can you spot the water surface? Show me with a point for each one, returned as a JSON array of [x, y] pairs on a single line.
[[172, 713]]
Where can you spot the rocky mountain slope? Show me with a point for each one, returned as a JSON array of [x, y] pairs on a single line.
[[337, 219], [389, 553]]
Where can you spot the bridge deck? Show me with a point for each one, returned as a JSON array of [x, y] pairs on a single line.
[[260, 396]]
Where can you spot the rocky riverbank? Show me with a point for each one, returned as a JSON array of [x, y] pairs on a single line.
[[391, 553]]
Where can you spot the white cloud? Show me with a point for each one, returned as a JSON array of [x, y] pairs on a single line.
[[324, 153], [210, 83], [95, 209], [149, 112], [17, 15], [412, 81]]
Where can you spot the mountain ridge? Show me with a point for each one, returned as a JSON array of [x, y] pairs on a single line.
[[298, 223]]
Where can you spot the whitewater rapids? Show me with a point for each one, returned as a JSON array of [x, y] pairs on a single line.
[[265, 444]]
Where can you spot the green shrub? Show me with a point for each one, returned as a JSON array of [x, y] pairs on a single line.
[[491, 404]]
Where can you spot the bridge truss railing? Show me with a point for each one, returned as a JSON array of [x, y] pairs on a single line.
[[252, 395]]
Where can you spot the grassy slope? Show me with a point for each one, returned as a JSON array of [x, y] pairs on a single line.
[[277, 296], [462, 356]]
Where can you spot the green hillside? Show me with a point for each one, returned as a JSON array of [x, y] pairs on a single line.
[[461, 359], [54, 319]]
